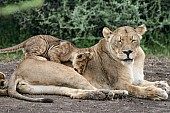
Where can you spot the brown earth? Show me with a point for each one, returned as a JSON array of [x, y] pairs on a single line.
[[156, 68]]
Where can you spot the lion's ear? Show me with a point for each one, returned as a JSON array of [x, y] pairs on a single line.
[[141, 29], [106, 32]]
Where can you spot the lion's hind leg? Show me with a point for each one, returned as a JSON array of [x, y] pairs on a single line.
[[99, 94]]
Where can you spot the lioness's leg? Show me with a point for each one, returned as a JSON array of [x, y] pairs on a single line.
[[71, 92], [97, 94], [150, 92], [160, 84], [138, 68]]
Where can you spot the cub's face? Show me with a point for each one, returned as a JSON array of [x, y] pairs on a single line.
[[123, 43], [80, 61]]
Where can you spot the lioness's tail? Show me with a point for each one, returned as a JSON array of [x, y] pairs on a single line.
[[13, 48], [13, 93]]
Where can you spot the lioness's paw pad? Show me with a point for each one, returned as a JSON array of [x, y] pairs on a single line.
[[161, 96], [163, 85], [156, 93]]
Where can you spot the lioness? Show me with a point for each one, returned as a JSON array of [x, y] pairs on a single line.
[[116, 66]]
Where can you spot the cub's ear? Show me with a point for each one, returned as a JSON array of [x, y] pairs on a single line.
[[141, 29], [2, 75], [106, 32]]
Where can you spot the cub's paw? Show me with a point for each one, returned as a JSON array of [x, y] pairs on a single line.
[[3, 81], [156, 93], [163, 85]]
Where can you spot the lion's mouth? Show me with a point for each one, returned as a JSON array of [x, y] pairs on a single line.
[[128, 60]]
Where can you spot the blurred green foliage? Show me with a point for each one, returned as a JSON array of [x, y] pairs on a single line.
[[82, 21], [20, 6]]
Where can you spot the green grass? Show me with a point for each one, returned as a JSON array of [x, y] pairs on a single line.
[[8, 57], [157, 51]]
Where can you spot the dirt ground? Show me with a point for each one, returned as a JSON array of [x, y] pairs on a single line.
[[156, 68]]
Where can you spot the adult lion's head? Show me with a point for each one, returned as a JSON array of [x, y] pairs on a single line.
[[124, 42]]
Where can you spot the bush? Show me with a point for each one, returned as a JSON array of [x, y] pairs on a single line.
[[82, 21]]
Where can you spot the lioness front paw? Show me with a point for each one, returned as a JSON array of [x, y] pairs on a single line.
[[163, 85], [156, 93]]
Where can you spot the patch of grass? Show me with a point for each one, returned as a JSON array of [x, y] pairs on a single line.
[[157, 51], [8, 57]]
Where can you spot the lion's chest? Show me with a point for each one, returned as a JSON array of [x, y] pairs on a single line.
[[138, 75], [135, 76]]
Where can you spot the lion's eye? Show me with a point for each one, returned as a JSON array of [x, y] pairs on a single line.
[[118, 41], [133, 39]]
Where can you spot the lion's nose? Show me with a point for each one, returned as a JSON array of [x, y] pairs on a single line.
[[127, 52]]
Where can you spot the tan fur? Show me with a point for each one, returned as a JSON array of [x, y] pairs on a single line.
[[44, 77], [116, 66], [46, 46], [51, 48]]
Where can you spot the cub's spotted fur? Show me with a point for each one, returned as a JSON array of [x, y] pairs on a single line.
[[53, 49]]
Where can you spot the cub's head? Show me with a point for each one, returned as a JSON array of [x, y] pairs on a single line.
[[123, 43], [80, 61]]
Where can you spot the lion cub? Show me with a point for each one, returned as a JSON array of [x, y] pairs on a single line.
[[80, 61], [53, 49]]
